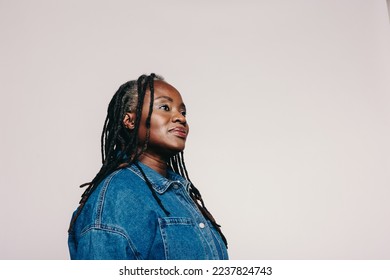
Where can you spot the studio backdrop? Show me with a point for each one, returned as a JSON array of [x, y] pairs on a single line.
[[288, 103]]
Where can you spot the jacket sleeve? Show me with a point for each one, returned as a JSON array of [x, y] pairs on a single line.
[[103, 244]]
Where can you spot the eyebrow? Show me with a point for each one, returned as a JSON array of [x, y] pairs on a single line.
[[166, 97]]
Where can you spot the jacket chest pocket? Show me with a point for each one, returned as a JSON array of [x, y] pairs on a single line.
[[182, 239]]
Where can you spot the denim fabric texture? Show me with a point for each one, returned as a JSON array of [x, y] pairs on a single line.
[[122, 220]]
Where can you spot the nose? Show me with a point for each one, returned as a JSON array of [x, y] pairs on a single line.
[[179, 117]]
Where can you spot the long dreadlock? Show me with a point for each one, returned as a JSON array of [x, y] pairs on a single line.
[[120, 146]]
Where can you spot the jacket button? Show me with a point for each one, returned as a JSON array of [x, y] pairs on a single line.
[[202, 225]]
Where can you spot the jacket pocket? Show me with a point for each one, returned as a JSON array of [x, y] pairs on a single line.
[[182, 239]]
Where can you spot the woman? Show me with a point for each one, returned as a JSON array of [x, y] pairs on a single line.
[[142, 204]]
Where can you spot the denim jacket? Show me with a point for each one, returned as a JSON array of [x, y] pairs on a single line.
[[122, 220]]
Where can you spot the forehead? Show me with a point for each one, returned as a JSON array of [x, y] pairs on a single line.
[[162, 88]]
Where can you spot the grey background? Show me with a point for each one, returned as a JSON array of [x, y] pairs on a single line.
[[288, 106]]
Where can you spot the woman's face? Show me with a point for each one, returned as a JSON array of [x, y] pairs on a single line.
[[168, 125]]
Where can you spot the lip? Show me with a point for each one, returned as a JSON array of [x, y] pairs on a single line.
[[179, 131]]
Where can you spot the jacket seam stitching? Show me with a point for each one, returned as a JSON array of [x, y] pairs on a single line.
[[114, 230], [102, 196]]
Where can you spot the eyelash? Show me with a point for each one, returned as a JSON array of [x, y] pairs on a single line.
[[166, 108]]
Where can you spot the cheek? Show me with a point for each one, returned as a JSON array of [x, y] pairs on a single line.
[[157, 132], [157, 129], [158, 123]]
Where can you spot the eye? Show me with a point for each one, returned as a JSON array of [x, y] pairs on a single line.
[[184, 113], [164, 107]]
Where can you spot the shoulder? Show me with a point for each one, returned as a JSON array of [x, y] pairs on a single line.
[[120, 195], [121, 187]]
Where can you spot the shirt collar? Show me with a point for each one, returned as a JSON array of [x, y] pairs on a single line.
[[159, 183]]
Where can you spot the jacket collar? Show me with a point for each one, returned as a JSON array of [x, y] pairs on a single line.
[[159, 183]]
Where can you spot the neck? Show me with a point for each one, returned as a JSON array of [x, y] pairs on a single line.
[[158, 164]]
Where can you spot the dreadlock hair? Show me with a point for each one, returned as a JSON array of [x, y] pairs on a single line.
[[120, 146]]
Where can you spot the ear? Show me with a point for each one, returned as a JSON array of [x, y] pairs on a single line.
[[128, 120]]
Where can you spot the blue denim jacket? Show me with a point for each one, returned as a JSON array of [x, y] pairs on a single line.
[[122, 220]]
